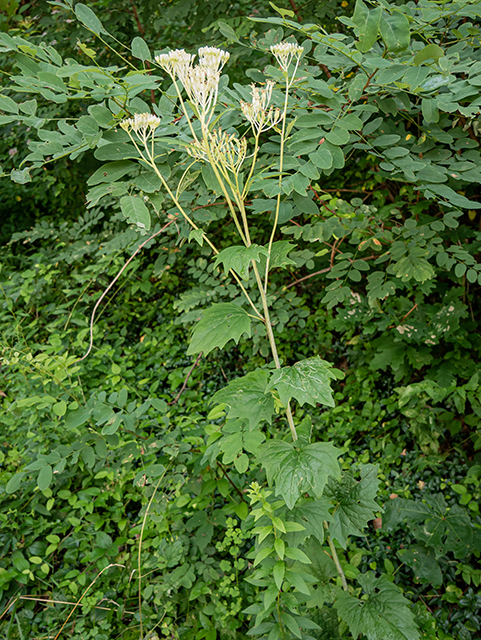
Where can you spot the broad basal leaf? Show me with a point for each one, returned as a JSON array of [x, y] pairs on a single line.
[[298, 469], [238, 258], [354, 503], [247, 398], [383, 615], [219, 324], [306, 381]]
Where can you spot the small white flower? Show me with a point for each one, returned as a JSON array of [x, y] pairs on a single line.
[[225, 149], [202, 84], [258, 112], [213, 58], [141, 123], [286, 52], [176, 63]]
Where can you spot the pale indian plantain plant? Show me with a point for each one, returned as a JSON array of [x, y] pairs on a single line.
[[310, 501]]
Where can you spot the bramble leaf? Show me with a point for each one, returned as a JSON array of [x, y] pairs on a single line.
[[422, 560], [354, 503], [306, 381], [247, 398], [238, 258], [437, 525], [383, 615], [298, 469], [219, 324]]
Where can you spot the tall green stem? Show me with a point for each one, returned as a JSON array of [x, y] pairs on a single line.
[[336, 559], [151, 162], [281, 166]]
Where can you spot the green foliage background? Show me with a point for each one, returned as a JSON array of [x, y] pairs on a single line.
[[102, 458]]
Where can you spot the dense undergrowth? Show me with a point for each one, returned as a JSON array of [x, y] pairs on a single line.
[[121, 465]]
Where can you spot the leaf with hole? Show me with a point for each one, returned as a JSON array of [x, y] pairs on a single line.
[[247, 398]]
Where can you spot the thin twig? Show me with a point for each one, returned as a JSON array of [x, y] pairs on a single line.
[[404, 317], [176, 399], [147, 62], [84, 593], [227, 477], [141, 246], [311, 275]]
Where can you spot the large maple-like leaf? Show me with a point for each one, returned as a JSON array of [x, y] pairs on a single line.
[[299, 469], [311, 515], [354, 503], [238, 258], [382, 614], [247, 398], [219, 324], [306, 381]]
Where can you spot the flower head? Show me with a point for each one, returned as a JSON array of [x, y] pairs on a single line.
[[141, 123], [176, 63], [213, 58], [258, 112], [286, 52], [224, 148], [201, 85]]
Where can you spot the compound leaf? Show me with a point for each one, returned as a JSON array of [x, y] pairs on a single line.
[[354, 503], [298, 469], [306, 381], [383, 615], [219, 324]]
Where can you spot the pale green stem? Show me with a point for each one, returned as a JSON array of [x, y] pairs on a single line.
[[184, 109], [254, 160], [336, 559], [272, 342], [221, 182], [281, 166], [191, 222]]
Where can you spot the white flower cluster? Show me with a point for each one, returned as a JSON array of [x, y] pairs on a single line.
[[201, 82], [286, 52], [213, 58], [225, 149], [141, 123], [175, 63], [258, 112]]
